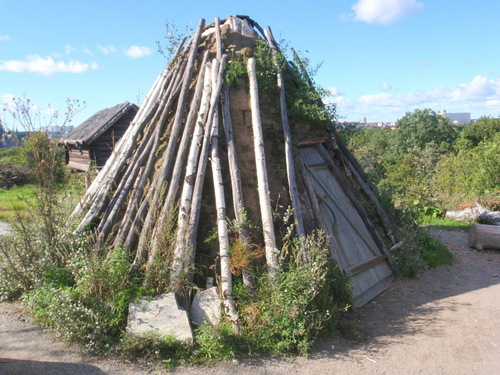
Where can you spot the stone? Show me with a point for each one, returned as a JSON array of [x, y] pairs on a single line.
[[160, 314], [206, 306]]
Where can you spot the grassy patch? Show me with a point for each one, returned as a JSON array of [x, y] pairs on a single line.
[[446, 224], [419, 250], [16, 200]]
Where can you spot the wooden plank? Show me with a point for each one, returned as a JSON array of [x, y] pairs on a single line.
[[79, 166], [358, 268], [352, 244], [371, 293]]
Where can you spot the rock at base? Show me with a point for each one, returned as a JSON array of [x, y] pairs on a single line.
[[160, 314], [206, 307]]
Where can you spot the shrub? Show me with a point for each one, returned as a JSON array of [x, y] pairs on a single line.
[[12, 174], [86, 302], [288, 315], [419, 250]]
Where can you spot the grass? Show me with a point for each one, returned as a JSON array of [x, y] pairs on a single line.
[[446, 224], [16, 200]]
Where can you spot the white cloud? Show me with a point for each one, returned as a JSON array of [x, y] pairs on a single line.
[[335, 92], [106, 50], [68, 49], [386, 86], [480, 89], [87, 51], [480, 96], [6, 99], [136, 52], [385, 12], [45, 66], [4, 37], [343, 104]]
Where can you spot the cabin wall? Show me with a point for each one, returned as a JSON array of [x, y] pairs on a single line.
[[78, 158], [103, 146]]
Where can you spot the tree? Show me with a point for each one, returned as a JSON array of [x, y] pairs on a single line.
[[43, 155], [420, 127], [484, 129]]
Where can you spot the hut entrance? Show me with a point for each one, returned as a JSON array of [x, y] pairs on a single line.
[[351, 243]]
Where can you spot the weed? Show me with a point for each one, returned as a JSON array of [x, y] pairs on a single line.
[[235, 68], [152, 346], [419, 251]]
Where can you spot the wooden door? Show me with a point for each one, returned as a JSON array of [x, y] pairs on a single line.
[[351, 243]]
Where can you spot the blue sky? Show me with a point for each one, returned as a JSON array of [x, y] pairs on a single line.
[[381, 58]]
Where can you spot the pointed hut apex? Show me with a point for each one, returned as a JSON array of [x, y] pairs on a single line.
[[202, 153], [236, 23]]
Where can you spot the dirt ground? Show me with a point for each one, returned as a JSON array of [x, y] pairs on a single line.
[[445, 322]]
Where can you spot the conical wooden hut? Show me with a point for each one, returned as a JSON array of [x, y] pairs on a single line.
[[230, 133]]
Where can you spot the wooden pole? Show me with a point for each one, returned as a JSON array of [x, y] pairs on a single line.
[[162, 175], [150, 101], [225, 271], [263, 185], [237, 191], [180, 159], [115, 163], [290, 167], [147, 149], [194, 217], [179, 255]]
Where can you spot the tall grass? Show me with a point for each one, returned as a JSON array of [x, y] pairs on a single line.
[[16, 201]]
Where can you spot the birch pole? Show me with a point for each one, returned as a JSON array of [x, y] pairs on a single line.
[[135, 127], [237, 191], [189, 180], [180, 161], [168, 161], [194, 217], [263, 185], [108, 175], [147, 149], [226, 285], [290, 167]]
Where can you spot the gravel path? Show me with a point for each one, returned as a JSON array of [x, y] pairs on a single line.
[[445, 322], [4, 228]]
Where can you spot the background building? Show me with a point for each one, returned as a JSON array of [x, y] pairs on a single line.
[[458, 117]]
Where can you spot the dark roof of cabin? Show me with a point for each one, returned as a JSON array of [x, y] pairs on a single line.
[[88, 131]]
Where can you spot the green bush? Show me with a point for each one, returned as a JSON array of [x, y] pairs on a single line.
[[287, 315], [86, 302], [419, 250], [13, 174]]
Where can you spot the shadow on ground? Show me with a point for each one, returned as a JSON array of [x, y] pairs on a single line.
[[410, 305], [23, 367]]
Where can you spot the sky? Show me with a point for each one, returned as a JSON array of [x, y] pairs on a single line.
[[380, 58]]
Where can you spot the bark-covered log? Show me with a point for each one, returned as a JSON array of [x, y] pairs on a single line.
[[237, 191], [185, 203], [226, 284], [194, 216], [483, 236], [290, 165], [168, 161], [180, 162], [467, 214], [262, 179]]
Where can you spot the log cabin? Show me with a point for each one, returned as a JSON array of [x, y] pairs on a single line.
[[92, 142]]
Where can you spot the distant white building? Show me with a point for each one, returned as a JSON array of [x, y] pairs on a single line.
[[457, 118]]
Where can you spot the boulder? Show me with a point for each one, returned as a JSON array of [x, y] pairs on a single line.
[[160, 314], [206, 307]]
